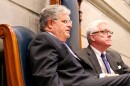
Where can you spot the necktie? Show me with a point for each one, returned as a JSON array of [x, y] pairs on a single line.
[[106, 63]]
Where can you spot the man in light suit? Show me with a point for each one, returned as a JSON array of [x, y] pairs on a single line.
[[53, 62], [99, 39]]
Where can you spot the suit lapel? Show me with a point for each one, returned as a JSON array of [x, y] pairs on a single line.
[[88, 56], [84, 57], [92, 57]]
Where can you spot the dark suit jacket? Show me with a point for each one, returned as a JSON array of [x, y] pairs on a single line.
[[54, 65], [90, 62]]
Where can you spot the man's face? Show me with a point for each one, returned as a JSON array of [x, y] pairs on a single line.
[[102, 37], [61, 27]]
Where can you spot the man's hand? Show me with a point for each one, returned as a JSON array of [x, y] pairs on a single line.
[[102, 75], [109, 75]]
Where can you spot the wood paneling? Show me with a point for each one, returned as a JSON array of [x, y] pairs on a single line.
[[55, 1]]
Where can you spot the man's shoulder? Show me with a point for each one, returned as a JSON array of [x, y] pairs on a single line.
[[46, 36], [87, 49], [113, 52], [83, 51]]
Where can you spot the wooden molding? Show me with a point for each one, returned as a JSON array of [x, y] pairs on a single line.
[[55, 1], [114, 15]]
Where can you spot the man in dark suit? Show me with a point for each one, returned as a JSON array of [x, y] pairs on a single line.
[[53, 62], [99, 39]]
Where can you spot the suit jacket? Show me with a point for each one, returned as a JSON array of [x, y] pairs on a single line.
[[90, 62], [54, 65]]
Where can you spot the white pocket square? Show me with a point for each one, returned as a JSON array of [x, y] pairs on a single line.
[[119, 67]]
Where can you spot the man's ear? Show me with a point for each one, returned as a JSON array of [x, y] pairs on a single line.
[[49, 23], [92, 37]]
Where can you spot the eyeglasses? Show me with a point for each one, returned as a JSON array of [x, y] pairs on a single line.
[[104, 32], [65, 21]]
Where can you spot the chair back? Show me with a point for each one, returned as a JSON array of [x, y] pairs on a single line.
[[15, 41], [24, 36]]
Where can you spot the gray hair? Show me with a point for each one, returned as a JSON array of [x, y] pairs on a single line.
[[51, 12], [93, 27]]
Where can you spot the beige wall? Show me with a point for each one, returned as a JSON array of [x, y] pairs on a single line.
[[21, 13], [121, 7], [121, 36], [33, 5]]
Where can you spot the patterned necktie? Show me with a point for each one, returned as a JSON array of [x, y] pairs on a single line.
[[106, 63]]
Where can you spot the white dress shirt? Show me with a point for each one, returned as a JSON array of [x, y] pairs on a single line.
[[101, 63]]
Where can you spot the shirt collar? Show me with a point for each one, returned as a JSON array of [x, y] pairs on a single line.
[[97, 51]]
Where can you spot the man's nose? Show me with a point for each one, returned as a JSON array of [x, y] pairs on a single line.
[[69, 24]]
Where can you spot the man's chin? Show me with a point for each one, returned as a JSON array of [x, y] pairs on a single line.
[[68, 35], [109, 45]]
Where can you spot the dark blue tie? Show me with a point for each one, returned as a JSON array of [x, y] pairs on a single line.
[[106, 63]]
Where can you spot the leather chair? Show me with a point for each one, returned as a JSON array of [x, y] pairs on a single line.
[[15, 41]]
